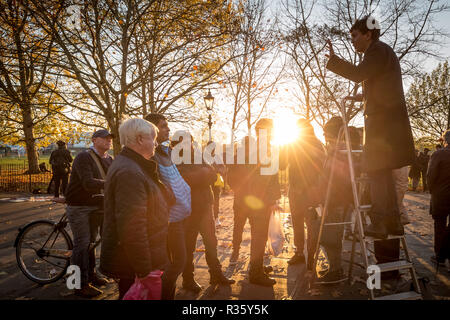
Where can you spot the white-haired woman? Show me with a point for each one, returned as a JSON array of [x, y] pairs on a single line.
[[136, 209]]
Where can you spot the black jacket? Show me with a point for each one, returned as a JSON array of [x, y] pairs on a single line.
[[423, 160], [414, 172], [438, 178], [252, 190], [86, 180], [60, 159], [341, 194], [200, 178], [305, 159], [134, 238], [388, 138]]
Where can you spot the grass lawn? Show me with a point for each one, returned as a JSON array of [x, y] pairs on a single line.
[[23, 160]]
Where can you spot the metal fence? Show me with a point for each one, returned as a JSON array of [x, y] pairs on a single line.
[[14, 177]]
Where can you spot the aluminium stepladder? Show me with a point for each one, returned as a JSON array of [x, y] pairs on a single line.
[[358, 232]]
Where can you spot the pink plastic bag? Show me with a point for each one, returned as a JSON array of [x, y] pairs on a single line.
[[148, 288]]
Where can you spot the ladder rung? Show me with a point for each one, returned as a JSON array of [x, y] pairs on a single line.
[[396, 265], [365, 207], [353, 151], [337, 223], [408, 295], [362, 179], [390, 237]]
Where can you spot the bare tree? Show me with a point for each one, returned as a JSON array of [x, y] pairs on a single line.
[[28, 110], [406, 25], [131, 57], [428, 101], [183, 52], [257, 66], [96, 51]]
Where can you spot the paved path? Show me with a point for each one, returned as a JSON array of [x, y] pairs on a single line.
[[292, 281]]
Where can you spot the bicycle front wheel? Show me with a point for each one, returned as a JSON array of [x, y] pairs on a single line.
[[43, 251]]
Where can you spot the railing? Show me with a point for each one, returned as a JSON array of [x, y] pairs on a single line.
[[14, 177]]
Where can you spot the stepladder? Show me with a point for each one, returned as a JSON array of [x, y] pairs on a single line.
[[360, 183]]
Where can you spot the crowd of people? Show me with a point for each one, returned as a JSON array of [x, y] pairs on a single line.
[[150, 210]]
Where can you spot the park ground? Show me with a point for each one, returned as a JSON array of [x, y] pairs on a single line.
[[293, 282]]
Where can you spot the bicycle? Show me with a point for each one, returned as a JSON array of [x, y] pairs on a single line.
[[44, 248]]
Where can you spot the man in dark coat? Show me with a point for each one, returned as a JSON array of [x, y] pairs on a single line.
[[60, 160], [414, 172], [200, 177], [305, 158], [438, 177], [239, 181], [85, 208], [388, 137], [256, 199]]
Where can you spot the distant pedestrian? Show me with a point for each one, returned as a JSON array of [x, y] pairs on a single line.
[[60, 160], [423, 159], [438, 177], [414, 172]]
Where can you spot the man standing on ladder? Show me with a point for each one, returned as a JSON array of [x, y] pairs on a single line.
[[388, 141]]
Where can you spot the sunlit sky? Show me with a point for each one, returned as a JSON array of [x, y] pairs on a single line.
[[282, 108]]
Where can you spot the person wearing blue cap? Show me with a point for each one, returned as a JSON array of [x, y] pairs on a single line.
[[84, 198]]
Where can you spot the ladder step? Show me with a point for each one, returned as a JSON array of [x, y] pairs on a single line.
[[353, 151], [365, 207], [390, 237], [337, 223], [396, 265], [362, 179], [408, 295]]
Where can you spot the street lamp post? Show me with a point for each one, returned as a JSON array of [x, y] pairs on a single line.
[[209, 101]]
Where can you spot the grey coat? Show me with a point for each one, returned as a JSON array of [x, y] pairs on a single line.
[[388, 138]]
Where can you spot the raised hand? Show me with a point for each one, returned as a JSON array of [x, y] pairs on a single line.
[[358, 97], [330, 48]]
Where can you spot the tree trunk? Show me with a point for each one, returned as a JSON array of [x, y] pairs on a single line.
[[249, 118], [448, 118], [33, 165], [114, 127]]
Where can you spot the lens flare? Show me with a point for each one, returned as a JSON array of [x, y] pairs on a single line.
[[285, 129]]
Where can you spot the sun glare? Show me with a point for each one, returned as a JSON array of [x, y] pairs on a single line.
[[285, 128]]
